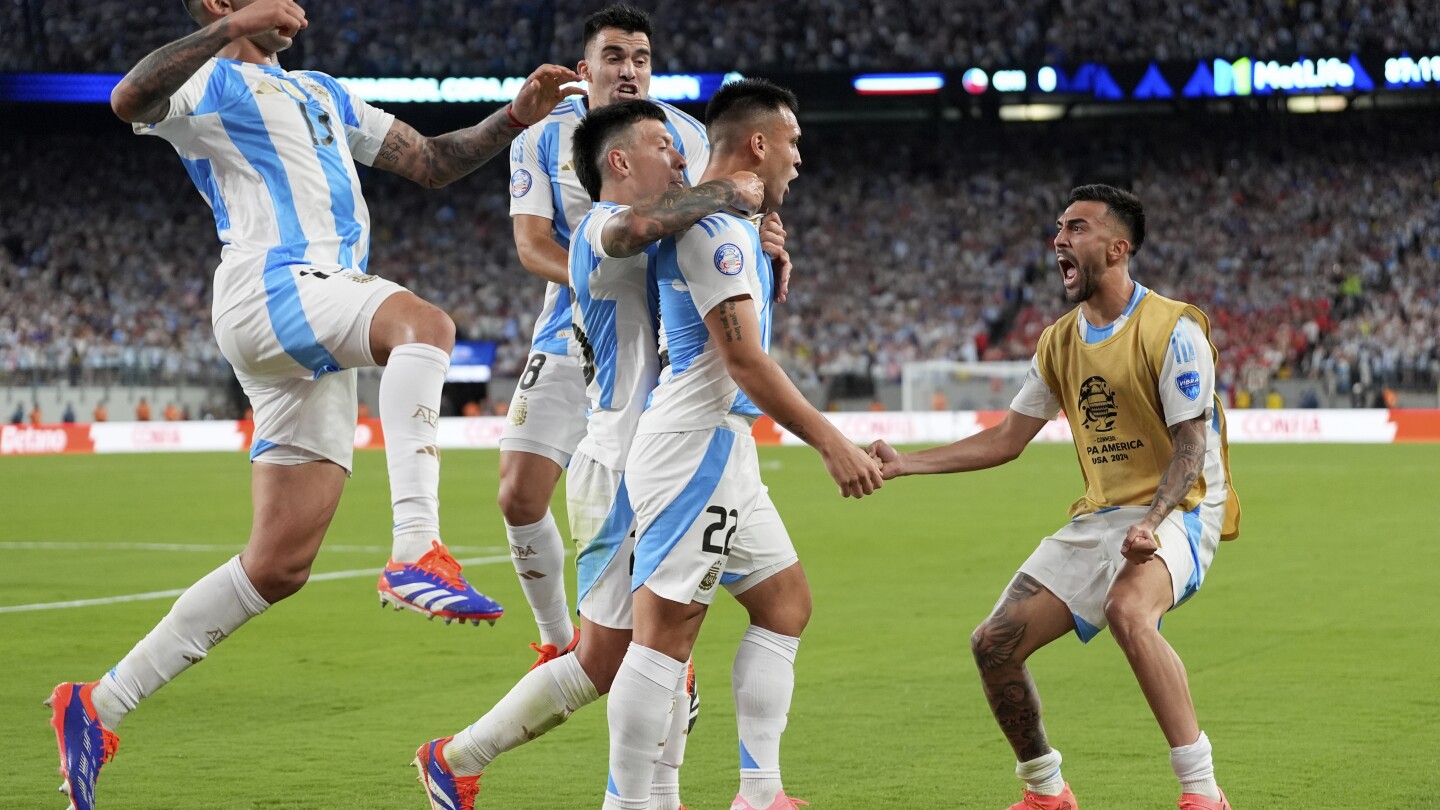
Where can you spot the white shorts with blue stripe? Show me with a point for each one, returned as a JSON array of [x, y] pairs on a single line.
[[704, 518], [603, 527], [295, 349], [1079, 562]]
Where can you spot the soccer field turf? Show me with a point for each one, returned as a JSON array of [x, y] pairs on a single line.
[[1312, 648]]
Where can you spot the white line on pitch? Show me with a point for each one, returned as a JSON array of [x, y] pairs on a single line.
[[45, 545], [170, 594]]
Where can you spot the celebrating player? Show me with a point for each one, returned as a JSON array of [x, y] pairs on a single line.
[[703, 516], [1135, 375], [625, 158], [547, 412], [273, 152]]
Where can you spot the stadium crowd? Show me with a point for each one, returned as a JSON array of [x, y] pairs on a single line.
[[510, 37], [1318, 257]]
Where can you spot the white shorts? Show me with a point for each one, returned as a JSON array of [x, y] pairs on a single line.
[[547, 412], [295, 351], [1080, 561], [603, 526], [704, 517]]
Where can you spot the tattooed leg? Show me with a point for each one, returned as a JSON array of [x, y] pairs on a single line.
[[1026, 618]]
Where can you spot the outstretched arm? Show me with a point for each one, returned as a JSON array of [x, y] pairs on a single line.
[[631, 230], [735, 328], [1186, 463], [143, 96], [439, 161], [988, 448]]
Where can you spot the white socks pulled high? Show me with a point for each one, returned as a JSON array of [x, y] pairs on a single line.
[[641, 701], [409, 415], [203, 616], [539, 556], [540, 701], [763, 680]]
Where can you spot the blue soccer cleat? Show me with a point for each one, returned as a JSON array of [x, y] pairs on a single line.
[[443, 788], [84, 743], [433, 585]]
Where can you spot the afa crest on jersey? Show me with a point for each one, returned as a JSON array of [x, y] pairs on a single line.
[[520, 183], [729, 260]]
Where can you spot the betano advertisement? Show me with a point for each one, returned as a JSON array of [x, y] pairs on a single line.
[[1246, 427]]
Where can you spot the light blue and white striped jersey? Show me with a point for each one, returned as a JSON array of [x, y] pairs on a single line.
[[717, 259], [543, 183], [616, 319], [273, 152]]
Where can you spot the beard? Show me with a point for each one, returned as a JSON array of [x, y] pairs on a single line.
[[1088, 282]]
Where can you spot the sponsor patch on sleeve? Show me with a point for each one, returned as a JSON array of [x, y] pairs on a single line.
[[729, 260], [520, 183], [1189, 384]]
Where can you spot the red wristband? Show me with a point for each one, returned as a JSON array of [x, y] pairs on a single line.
[[515, 123]]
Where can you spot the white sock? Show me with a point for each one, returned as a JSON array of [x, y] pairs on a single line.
[[203, 616], [539, 556], [542, 700], [409, 416], [763, 681], [1042, 774], [1195, 768], [641, 700], [665, 784]]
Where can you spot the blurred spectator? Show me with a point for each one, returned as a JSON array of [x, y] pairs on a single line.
[[511, 37], [69, 416], [142, 411], [172, 413], [36, 418], [1315, 252], [101, 413]]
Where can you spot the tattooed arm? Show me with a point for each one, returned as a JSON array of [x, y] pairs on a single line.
[[628, 232], [143, 96], [439, 161], [735, 329], [1188, 440]]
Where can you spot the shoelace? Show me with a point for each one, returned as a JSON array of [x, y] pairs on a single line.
[[111, 742], [439, 562], [549, 651]]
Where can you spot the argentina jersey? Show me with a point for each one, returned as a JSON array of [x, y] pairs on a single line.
[[273, 153], [717, 259], [543, 183], [616, 316]]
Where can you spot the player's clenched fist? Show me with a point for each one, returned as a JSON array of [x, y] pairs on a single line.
[[854, 471], [542, 91], [750, 192], [285, 17], [1140, 544]]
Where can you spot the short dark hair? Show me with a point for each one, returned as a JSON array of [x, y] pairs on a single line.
[[625, 17], [1124, 205], [748, 97], [597, 134], [195, 8]]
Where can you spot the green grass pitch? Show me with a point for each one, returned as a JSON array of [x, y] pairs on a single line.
[[1313, 648]]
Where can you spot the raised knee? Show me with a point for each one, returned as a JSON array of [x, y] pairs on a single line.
[[437, 329], [1126, 620], [993, 647]]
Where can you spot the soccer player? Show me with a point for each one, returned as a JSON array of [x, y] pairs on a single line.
[[625, 158], [547, 411], [1134, 373], [703, 515], [272, 151]]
